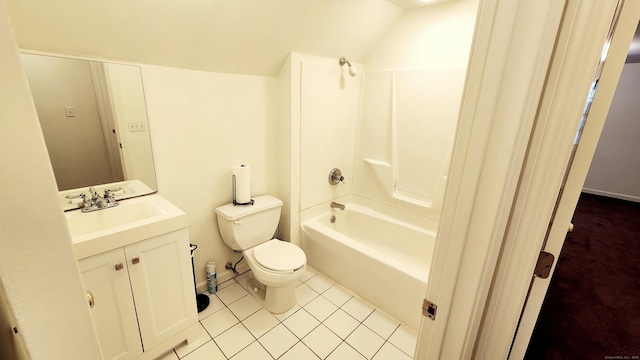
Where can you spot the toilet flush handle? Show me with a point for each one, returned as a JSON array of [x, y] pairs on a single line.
[[239, 222]]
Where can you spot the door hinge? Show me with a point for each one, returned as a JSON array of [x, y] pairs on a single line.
[[429, 309], [543, 266]]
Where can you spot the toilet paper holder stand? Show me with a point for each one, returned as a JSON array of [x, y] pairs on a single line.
[[233, 188]]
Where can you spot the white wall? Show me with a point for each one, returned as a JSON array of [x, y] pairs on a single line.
[[435, 36], [41, 289], [615, 169], [202, 124], [76, 144], [239, 37]]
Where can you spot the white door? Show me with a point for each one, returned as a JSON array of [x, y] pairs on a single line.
[[106, 279], [512, 47], [579, 167], [476, 279], [162, 284]]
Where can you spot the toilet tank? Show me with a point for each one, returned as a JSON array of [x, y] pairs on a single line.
[[245, 226]]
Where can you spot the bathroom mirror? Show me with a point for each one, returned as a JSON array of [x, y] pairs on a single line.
[[94, 120]]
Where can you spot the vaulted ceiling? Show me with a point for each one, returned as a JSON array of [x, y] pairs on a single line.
[[232, 36]]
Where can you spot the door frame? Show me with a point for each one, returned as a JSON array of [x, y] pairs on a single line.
[[583, 34]]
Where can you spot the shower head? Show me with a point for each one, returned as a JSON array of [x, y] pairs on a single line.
[[352, 69]]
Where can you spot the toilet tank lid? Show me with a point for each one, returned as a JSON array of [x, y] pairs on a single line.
[[260, 203]]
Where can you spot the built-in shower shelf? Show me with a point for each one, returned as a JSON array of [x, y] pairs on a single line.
[[384, 173]]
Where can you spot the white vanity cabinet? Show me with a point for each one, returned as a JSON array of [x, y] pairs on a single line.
[[143, 296]]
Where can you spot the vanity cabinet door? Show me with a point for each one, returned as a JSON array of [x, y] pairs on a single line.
[[162, 284], [106, 279]]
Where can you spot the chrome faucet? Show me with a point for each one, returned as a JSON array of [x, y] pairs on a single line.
[[336, 205], [97, 202]]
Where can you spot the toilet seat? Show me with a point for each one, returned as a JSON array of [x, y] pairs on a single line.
[[279, 255]]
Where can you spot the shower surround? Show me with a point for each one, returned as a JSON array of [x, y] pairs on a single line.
[[390, 132]]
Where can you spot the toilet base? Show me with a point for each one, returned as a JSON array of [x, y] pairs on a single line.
[[275, 299], [280, 299]]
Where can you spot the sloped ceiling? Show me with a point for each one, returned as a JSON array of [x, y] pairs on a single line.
[[231, 36]]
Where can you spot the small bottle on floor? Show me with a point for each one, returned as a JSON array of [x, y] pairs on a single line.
[[212, 284]]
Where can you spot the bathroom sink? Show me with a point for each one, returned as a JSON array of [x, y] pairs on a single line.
[[131, 221]]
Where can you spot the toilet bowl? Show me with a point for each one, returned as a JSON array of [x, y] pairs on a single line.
[[274, 263], [277, 265]]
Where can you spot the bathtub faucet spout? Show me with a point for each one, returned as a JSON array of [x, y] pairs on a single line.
[[336, 205]]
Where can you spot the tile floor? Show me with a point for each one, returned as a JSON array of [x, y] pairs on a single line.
[[329, 322]]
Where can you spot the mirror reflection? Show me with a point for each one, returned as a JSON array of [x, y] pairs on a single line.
[[94, 120]]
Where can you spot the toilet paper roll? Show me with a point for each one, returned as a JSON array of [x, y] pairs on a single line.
[[242, 175]]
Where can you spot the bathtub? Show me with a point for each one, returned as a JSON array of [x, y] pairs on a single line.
[[380, 253]]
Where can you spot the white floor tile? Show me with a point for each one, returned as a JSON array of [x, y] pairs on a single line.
[[336, 325], [234, 340], [286, 314], [337, 295], [231, 293], [345, 352], [390, 352], [260, 322], [320, 283], [358, 308], [322, 341], [308, 274], [341, 323], [304, 294], [214, 305], [404, 339], [218, 322], [381, 323], [365, 341], [278, 340], [168, 356], [244, 307], [185, 349], [299, 352], [255, 351], [301, 323], [208, 351], [321, 308]]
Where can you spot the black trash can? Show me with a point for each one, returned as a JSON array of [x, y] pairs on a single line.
[[202, 300]]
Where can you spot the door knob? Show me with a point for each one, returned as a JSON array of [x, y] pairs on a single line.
[[135, 260]]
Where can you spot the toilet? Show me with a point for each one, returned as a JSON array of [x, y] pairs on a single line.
[[274, 263]]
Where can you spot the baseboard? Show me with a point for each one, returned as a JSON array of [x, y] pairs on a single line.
[[611, 195]]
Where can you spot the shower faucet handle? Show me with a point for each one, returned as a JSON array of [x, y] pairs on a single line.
[[335, 176]]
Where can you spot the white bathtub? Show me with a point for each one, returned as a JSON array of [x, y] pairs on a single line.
[[380, 253]]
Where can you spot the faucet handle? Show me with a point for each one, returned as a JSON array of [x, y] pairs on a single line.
[[93, 192], [85, 202], [109, 196], [335, 176]]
